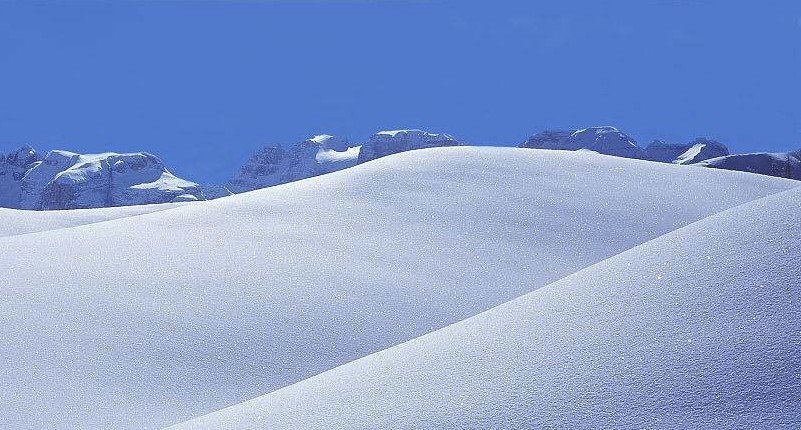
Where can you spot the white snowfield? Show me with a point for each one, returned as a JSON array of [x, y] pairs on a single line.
[[147, 321], [15, 221], [699, 328]]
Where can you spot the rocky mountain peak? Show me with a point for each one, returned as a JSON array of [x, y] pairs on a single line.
[[390, 142]]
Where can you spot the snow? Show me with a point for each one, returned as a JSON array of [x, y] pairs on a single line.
[[698, 328], [699, 149], [150, 320], [348, 156], [275, 165], [321, 138], [66, 180], [691, 155], [394, 133], [603, 140], [391, 142], [15, 221]]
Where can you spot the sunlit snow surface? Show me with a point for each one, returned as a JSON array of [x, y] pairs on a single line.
[[700, 328], [146, 321], [15, 221]]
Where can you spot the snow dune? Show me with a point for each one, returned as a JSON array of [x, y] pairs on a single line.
[[699, 328], [14, 221], [147, 321]]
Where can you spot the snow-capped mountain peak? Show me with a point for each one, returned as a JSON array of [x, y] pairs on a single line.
[[685, 153], [329, 142], [67, 180], [702, 149], [780, 164], [276, 165], [604, 140], [389, 142], [607, 140], [325, 153]]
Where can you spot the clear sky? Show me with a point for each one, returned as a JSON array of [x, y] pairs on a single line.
[[204, 84]]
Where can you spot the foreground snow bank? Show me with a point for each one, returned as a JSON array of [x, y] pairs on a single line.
[[696, 329]]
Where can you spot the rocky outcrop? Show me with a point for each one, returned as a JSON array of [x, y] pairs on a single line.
[[551, 139], [386, 143], [275, 165], [211, 192], [603, 140], [698, 150], [664, 152], [781, 164], [607, 140], [66, 180], [13, 167]]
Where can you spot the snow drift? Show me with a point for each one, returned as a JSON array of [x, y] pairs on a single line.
[[15, 221], [696, 329], [150, 320]]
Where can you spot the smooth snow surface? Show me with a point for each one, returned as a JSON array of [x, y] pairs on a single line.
[[151, 320], [700, 328], [15, 221]]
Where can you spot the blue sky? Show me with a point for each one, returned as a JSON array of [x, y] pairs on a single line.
[[205, 84]]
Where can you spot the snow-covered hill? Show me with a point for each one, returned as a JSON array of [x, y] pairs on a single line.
[[696, 329], [782, 164], [65, 180], [150, 320], [15, 221]]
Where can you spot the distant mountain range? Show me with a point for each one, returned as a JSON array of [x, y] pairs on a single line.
[[66, 180]]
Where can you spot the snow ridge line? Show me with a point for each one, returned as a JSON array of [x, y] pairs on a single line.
[[177, 205]]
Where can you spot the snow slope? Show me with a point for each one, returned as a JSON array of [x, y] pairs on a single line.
[[150, 320], [700, 328], [14, 221]]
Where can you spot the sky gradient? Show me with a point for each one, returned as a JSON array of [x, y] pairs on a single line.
[[205, 84]]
